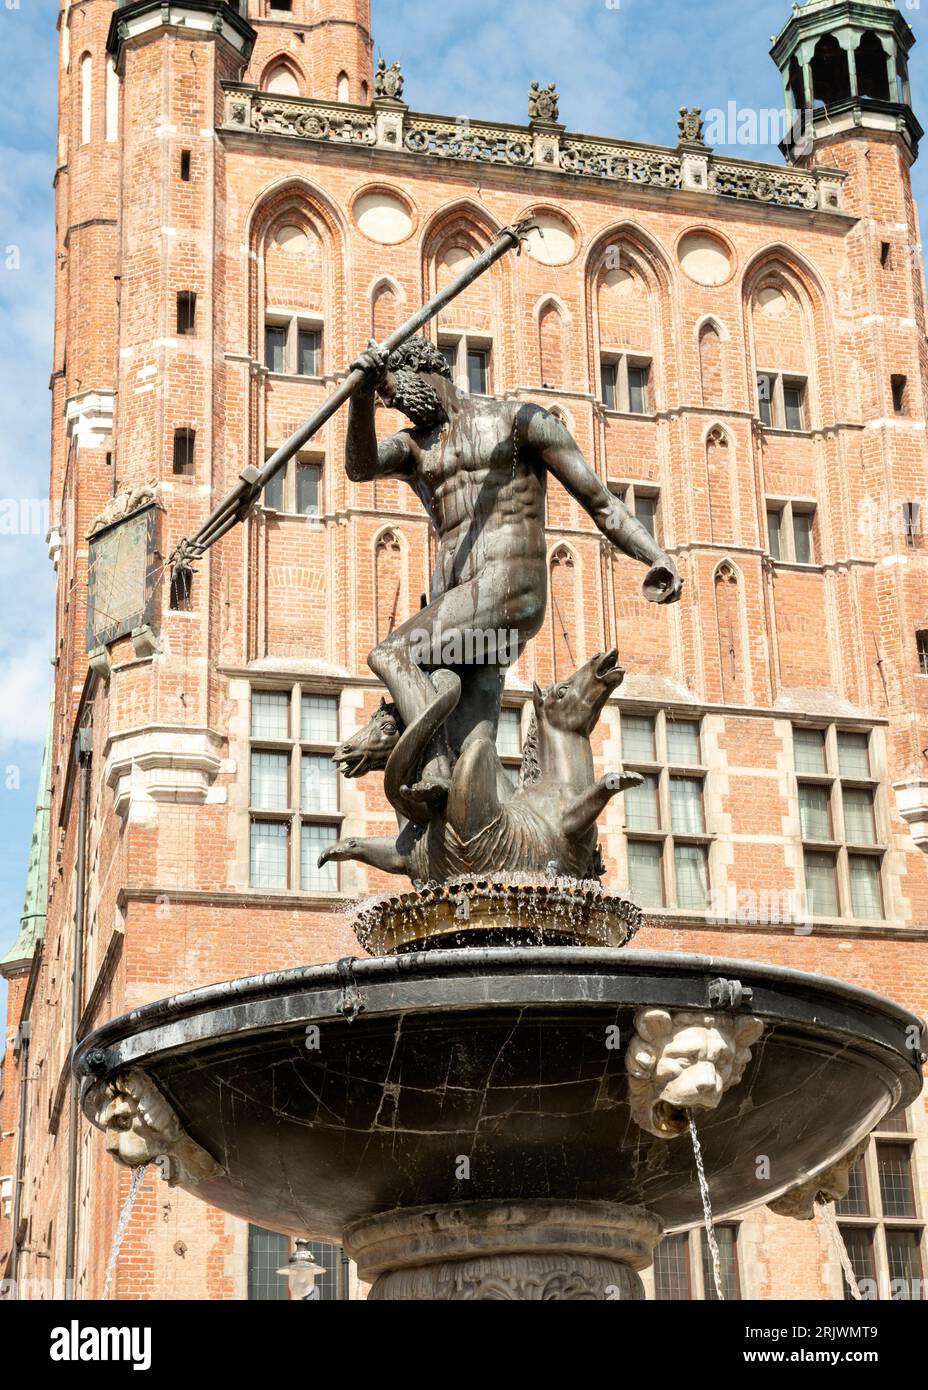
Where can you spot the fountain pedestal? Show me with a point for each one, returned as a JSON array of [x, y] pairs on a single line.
[[510, 1251]]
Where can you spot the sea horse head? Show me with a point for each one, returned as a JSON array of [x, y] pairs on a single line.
[[369, 748], [573, 706]]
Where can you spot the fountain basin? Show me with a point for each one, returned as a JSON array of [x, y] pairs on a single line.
[[497, 910], [507, 1058]]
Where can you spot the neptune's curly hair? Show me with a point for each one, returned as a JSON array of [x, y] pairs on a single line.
[[419, 355]]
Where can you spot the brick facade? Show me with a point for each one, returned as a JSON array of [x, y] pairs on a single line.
[[161, 193]]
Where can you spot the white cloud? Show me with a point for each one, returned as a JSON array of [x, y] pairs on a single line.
[[25, 688]]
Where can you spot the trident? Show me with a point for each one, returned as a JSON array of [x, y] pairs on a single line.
[[251, 481]]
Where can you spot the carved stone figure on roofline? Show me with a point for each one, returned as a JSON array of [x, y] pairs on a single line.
[[389, 82], [543, 102], [690, 126]]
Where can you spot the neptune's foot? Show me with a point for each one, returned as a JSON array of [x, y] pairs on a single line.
[[430, 793]]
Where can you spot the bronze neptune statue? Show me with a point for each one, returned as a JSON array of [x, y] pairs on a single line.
[[479, 466]]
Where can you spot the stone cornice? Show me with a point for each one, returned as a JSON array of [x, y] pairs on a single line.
[[253, 899], [912, 804], [161, 763], [885, 118], [683, 171], [263, 677], [662, 919], [141, 18]]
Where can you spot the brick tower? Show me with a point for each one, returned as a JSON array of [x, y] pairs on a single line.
[[845, 69], [316, 48]]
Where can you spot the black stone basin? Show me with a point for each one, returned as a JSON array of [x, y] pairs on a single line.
[[500, 1055]]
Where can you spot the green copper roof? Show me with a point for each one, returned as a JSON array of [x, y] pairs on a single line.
[[811, 6], [827, 4], [859, 13], [33, 919]]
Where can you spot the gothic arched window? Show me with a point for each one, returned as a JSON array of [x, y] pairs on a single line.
[[831, 76], [872, 68], [797, 85], [282, 81], [551, 344], [86, 98]]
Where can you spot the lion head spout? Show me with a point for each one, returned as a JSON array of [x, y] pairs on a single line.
[[678, 1062]]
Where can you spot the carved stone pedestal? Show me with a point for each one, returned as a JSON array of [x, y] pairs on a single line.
[[521, 1251]]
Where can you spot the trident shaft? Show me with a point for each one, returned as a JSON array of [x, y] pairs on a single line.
[[251, 481]]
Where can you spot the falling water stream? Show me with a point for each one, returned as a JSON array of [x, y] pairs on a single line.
[[122, 1226], [827, 1212], [707, 1208]]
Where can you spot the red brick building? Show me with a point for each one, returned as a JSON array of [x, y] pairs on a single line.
[[740, 349]]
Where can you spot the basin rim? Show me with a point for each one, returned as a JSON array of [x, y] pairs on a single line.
[[493, 978]]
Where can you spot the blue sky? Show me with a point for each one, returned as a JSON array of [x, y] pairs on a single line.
[[622, 69]]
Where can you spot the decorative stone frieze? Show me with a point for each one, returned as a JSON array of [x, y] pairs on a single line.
[[783, 188], [543, 144], [606, 159], [327, 121], [464, 139]]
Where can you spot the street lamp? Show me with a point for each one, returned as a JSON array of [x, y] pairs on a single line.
[[301, 1270]]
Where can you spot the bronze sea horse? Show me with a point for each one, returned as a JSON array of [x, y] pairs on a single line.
[[547, 824]]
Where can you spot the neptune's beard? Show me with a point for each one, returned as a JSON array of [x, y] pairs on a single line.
[[414, 395]]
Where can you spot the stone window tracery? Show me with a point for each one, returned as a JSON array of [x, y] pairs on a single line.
[[880, 1221], [665, 825], [293, 788], [840, 822]]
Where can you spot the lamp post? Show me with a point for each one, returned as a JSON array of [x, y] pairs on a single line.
[[301, 1270]]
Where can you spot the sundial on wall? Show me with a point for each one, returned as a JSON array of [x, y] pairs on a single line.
[[121, 577]]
